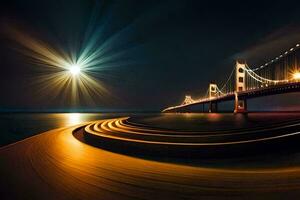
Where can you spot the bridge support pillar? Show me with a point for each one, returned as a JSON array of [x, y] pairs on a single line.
[[213, 107], [240, 105]]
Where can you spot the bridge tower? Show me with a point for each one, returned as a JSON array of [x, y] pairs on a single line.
[[188, 100], [212, 90], [240, 105], [212, 94]]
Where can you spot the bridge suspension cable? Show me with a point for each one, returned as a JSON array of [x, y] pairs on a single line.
[[262, 79], [225, 84], [220, 91], [277, 58]]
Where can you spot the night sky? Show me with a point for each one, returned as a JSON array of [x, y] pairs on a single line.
[[171, 48]]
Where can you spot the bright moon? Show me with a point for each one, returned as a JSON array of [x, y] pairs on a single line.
[[74, 69]]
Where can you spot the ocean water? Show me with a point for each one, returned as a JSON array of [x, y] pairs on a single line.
[[18, 126]]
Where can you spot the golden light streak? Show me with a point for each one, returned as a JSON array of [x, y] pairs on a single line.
[[296, 75]]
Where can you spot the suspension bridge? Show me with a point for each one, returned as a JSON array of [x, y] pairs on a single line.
[[277, 76]]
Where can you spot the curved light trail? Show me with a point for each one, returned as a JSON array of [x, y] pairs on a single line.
[[117, 129], [56, 165]]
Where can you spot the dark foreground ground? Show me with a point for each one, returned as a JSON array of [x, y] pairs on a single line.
[[60, 164]]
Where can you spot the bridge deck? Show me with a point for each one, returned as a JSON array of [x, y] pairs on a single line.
[[254, 93]]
